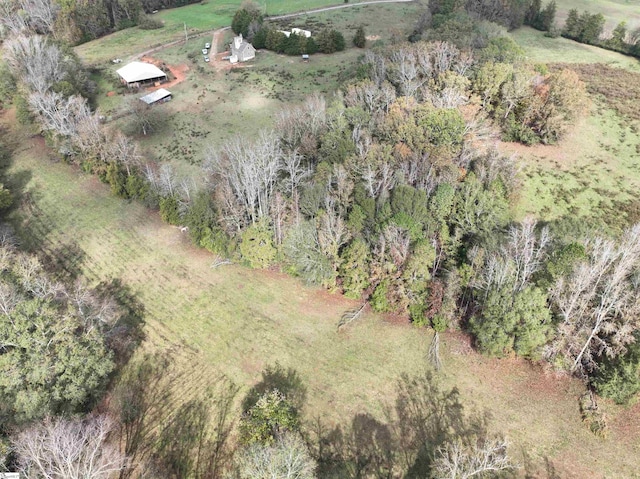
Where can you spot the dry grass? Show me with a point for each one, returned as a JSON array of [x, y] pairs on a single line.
[[619, 88]]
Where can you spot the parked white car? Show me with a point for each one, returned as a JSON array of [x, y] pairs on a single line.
[[205, 51], [206, 59], [206, 45]]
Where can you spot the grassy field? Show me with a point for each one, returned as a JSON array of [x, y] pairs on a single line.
[[615, 11], [204, 16], [235, 321], [592, 173], [541, 49]]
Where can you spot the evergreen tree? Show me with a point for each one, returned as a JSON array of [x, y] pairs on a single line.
[[547, 17], [572, 25], [533, 12], [360, 40]]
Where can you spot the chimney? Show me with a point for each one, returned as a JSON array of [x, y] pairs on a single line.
[[238, 41]]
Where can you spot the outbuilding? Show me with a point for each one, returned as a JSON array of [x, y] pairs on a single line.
[[161, 95], [136, 74]]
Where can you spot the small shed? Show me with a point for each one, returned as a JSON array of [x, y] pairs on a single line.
[[136, 74], [9, 475], [161, 95]]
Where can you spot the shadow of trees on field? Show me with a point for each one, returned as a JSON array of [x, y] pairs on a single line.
[[422, 418], [128, 332], [287, 381], [164, 436]]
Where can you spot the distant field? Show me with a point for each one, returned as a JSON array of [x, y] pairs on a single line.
[[204, 16], [541, 49], [615, 11], [235, 321], [594, 172]]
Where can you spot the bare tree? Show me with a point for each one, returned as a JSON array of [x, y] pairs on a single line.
[[288, 458], [59, 114], [68, 449], [35, 61], [455, 461], [599, 302], [249, 171], [145, 118], [517, 260], [41, 14]]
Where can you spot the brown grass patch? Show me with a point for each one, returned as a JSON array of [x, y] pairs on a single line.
[[620, 88]]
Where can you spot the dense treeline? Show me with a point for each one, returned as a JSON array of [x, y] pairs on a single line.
[[584, 27], [588, 28], [76, 21]]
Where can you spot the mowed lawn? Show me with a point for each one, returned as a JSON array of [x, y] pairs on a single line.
[[200, 17], [541, 49], [234, 321]]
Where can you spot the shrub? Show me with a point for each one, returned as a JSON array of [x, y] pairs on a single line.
[[619, 378], [170, 210], [150, 23], [379, 299], [256, 247]]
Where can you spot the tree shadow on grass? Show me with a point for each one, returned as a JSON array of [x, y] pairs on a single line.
[[422, 418], [287, 381], [128, 332]]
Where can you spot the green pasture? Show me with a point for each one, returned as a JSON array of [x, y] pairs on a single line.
[[234, 321], [541, 49], [594, 172], [615, 11], [196, 18]]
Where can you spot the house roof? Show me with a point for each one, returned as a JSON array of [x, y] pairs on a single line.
[[140, 71], [155, 96]]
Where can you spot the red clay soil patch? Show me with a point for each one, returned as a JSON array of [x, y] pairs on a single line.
[[625, 426], [398, 319], [111, 93], [179, 72]]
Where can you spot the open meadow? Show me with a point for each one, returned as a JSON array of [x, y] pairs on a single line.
[[594, 171], [541, 49], [234, 321], [614, 11]]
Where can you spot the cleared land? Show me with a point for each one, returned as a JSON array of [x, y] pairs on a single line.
[[234, 321]]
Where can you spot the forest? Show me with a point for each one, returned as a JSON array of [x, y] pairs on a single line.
[[391, 192]]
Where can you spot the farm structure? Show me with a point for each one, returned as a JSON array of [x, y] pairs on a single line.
[[136, 74], [241, 50], [296, 31], [161, 95]]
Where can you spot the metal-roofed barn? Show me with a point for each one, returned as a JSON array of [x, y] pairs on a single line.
[[161, 95], [137, 74]]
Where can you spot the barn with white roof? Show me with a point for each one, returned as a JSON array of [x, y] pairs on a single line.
[[136, 74]]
